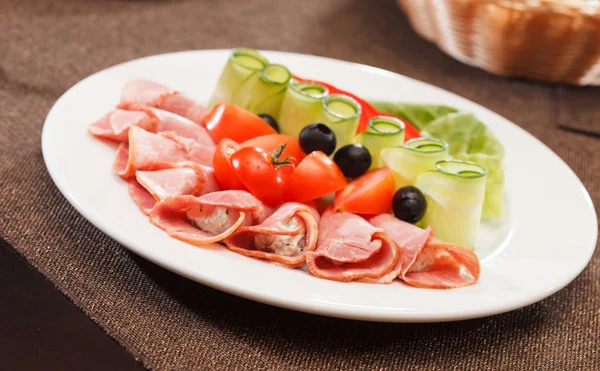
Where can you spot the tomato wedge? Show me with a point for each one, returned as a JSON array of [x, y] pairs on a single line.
[[371, 193], [237, 124], [315, 176], [263, 173], [273, 141], [224, 171]]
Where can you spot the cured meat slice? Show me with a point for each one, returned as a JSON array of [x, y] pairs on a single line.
[[427, 261], [209, 218], [284, 237], [149, 151], [142, 198], [121, 159], [167, 121], [156, 95], [171, 179], [115, 125], [196, 152], [349, 248]]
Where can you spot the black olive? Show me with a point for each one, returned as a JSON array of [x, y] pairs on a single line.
[[317, 137], [269, 120], [409, 204], [353, 159]]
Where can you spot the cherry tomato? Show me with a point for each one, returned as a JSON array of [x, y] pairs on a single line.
[[263, 173], [372, 193], [237, 124], [224, 172], [272, 142], [315, 176]]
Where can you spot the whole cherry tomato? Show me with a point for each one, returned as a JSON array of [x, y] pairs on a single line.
[[272, 141], [264, 174]]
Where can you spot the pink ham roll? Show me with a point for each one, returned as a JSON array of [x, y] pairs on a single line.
[[349, 248], [426, 261], [116, 124], [209, 218], [153, 94], [149, 151], [170, 179], [284, 237]]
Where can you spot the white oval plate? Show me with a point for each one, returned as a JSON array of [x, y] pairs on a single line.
[[545, 241]]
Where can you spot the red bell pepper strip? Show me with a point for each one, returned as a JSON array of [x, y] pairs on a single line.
[[367, 112]]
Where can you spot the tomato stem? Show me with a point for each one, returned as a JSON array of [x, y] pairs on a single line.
[[275, 157]]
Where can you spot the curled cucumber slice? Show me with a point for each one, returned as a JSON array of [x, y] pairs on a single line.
[[342, 114], [454, 191], [413, 158], [302, 104], [470, 140], [241, 65], [263, 92], [381, 132]]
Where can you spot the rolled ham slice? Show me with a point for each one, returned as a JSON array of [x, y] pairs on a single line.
[[284, 237], [209, 218], [116, 124], [427, 261], [153, 94], [349, 248], [140, 195], [170, 179], [149, 151], [167, 121]]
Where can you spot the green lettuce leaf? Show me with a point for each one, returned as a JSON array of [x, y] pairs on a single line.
[[419, 115]]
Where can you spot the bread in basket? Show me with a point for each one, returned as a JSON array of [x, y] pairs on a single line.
[[549, 40]]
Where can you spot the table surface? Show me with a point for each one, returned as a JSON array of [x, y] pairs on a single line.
[[41, 328]]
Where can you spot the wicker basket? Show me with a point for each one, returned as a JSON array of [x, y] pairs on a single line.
[[548, 40]]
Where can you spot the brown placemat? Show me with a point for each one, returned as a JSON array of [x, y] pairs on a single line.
[[579, 109], [172, 323]]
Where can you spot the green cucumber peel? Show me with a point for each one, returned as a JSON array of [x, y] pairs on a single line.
[[263, 92], [382, 132], [302, 104], [242, 64], [471, 140], [342, 114], [455, 192], [413, 158]]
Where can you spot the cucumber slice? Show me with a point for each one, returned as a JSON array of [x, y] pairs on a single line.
[[455, 192], [302, 104], [382, 132], [471, 140], [342, 114], [263, 92], [415, 157], [242, 64]]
